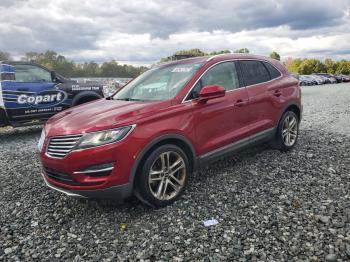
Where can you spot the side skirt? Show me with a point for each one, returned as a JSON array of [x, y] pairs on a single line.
[[216, 154]]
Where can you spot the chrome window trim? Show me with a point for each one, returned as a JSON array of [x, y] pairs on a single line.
[[214, 56], [232, 60]]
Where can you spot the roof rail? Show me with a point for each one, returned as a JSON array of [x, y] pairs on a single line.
[[180, 57], [212, 57]]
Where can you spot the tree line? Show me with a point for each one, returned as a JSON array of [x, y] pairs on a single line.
[[308, 66], [68, 68], [197, 52], [301, 66]]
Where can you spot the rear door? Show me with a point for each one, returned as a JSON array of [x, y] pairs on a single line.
[[221, 121], [264, 92], [32, 97]]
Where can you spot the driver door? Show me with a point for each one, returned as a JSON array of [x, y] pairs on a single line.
[[221, 121]]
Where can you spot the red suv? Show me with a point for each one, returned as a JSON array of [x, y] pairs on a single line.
[[148, 137]]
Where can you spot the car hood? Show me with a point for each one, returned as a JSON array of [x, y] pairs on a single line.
[[101, 114]]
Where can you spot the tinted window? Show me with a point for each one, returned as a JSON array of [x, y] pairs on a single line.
[[254, 72], [7, 76], [274, 73], [30, 73], [223, 74]]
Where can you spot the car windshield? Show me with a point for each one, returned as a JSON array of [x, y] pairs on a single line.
[[161, 83]]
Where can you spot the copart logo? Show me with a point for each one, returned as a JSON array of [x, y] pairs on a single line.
[[43, 99]]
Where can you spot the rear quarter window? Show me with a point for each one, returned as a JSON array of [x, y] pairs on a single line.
[[254, 72], [274, 73]]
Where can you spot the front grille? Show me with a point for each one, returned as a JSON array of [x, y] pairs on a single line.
[[60, 146]]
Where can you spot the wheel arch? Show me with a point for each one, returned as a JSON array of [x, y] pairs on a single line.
[[4, 121], [293, 107], [276, 142], [174, 139], [84, 95]]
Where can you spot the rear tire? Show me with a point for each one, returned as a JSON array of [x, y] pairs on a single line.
[[163, 177], [3, 118], [287, 132]]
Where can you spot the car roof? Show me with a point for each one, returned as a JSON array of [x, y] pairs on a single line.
[[20, 63], [220, 57], [223, 57]]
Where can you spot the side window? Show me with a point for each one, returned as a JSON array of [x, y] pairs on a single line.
[[196, 89], [223, 74], [31, 73], [254, 72], [274, 73], [7, 76]]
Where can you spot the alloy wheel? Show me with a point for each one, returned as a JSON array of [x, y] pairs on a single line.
[[290, 130], [167, 175]]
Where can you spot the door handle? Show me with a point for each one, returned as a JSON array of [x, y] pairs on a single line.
[[277, 93], [241, 103]]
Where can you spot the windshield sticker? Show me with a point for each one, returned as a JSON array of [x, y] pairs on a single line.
[[181, 69]]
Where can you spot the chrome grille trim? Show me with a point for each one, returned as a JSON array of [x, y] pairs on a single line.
[[63, 143], [60, 146], [52, 146]]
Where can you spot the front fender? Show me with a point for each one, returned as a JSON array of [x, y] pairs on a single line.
[[156, 141]]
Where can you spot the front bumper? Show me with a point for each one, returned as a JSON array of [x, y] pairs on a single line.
[[118, 192], [72, 172]]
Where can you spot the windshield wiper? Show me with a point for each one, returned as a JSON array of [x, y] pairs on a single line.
[[129, 99]]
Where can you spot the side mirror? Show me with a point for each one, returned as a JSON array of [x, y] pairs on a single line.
[[53, 76], [211, 92]]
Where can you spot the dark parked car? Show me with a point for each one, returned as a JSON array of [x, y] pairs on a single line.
[[306, 80], [345, 78], [330, 78], [148, 137], [318, 79], [338, 78]]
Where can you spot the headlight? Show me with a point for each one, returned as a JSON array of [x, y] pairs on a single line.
[[41, 140], [104, 137]]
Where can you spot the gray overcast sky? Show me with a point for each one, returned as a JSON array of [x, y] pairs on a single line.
[[140, 31]]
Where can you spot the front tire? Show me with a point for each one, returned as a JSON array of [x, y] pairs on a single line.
[[287, 132], [163, 177]]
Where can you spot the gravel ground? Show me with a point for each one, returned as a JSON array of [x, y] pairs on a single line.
[[327, 107], [270, 206]]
